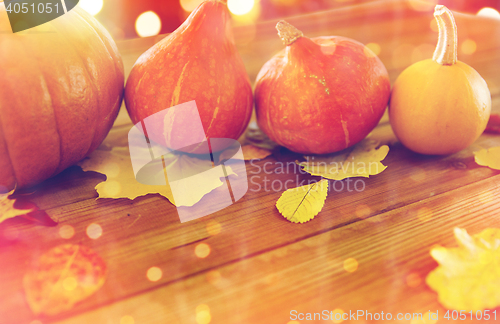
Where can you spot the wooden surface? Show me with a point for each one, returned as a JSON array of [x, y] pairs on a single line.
[[261, 266]]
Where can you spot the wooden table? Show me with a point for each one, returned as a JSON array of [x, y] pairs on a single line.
[[261, 267]]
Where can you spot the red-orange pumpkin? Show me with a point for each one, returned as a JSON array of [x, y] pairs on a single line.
[[320, 95], [60, 92], [199, 62]]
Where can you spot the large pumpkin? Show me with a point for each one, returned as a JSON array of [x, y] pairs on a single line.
[[61, 86]]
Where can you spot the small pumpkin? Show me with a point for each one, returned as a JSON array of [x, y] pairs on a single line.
[[198, 61], [320, 95], [61, 86], [440, 105]]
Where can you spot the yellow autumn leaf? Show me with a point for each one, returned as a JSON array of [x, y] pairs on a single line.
[[121, 181], [7, 209], [488, 157], [302, 204], [468, 277], [62, 277], [361, 160]]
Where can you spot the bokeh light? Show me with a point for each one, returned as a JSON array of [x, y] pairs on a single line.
[[468, 47], [94, 231], [66, 232], [203, 314], [127, 319], [190, 5], [363, 211], [70, 284], [372, 48], [423, 5], [489, 12], [93, 7], [213, 228], [350, 265], [434, 25], [424, 214], [413, 280], [213, 277], [202, 250], [240, 7], [111, 188], [337, 315], [148, 24], [154, 274], [293, 322]]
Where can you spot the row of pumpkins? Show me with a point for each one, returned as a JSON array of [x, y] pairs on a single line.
[[60, 92]]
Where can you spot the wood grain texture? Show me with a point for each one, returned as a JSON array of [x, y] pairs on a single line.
[[261, 266]]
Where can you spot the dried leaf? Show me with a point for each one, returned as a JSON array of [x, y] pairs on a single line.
[[121, 181], [362, 160], [255, 136], [493, 124], [62, 277], [7, 209], [302, 204], [250, 152], [488, 157], [468, 277]]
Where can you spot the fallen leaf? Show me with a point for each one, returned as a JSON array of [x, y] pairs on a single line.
[[62, 277], [7, 209], [468, 277], [250, 152], [302, 204], [493, 124], [255, 136], [488, 157], [121, 181], [362, 160]]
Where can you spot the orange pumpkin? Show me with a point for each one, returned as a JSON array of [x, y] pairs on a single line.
[[61, 86], [320, 95], [440, 105], [199, 62]]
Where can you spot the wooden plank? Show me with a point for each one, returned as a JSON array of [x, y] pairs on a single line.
[[308, 275], [146, 232]]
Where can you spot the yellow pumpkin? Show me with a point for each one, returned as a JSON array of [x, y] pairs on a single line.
[[440, 105]]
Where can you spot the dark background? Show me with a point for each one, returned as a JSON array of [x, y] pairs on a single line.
[[119, 16]]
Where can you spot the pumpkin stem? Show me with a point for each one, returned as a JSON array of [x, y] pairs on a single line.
[[446, 49], [288, 33]]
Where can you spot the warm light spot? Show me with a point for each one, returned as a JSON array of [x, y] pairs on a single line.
[[202, 250], [240, 7], [293, 322], [93, 7], [336, 315], [127, 319], [434, 26], [401, 56], [203, 314], [426, 319], [190, 5], [111, 188], [424, 214], [422, 52], [468, 47], [350, 265], [423, 5], [148, 24], [213, 228], [213, 277], [418, 174], [70, 284], [66, 232], [285, 2], [413, 280], [250, 17], [110, 169], [489, 12], [154, 274], [94, 231], [372, 49], [363, 211]]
